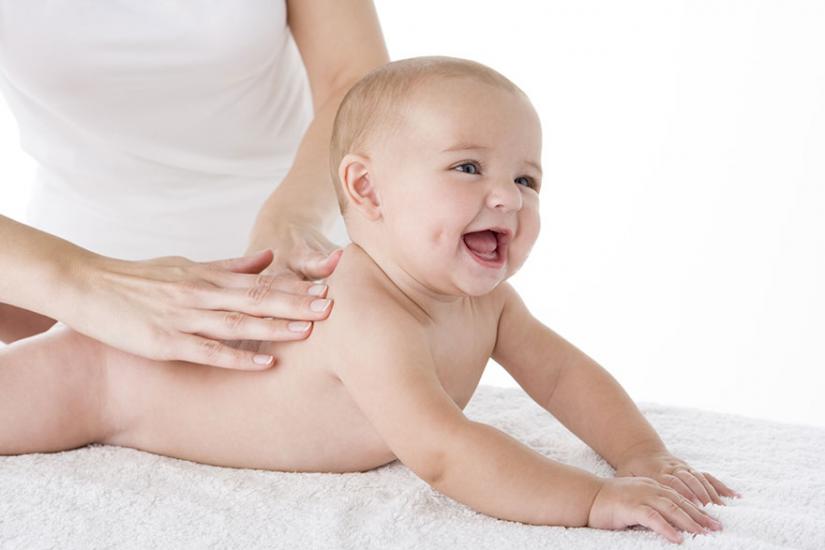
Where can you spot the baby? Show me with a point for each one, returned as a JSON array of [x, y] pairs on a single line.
[[436, 166]]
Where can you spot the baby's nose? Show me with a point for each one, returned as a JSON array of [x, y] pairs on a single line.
[[505, 195]]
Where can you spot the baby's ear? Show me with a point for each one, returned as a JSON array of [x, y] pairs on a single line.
[[356, 179]]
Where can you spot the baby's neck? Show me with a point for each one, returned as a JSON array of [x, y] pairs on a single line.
[[433, 304]]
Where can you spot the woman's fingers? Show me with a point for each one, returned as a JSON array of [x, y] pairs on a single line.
[[282, 283], [196, 349], [316, 265], [264, 301], [252, 263], [231, 325]]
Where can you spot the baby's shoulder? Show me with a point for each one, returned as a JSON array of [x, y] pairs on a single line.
[[494, 301], [360, 294]]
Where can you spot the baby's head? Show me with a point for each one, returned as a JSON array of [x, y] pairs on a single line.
[[436, 166]]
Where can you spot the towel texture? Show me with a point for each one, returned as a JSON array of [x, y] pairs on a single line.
[[101, 496]]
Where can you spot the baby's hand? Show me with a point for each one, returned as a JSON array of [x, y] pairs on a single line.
[[700, 487], [626, 501]]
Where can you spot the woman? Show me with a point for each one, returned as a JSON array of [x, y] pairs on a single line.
[[161, 129]]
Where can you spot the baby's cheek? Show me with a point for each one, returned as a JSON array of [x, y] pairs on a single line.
[[520, 248], [530, 227]]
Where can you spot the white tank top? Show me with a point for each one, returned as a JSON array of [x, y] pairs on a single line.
[[158, 128]]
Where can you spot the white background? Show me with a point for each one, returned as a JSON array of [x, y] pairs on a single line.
[[683, 241]]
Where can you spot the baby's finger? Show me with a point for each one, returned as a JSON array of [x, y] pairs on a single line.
[[231, 325], [196, 349], [694, 484], [699, 516], [653, 520], [708, 487], [679, 486], [721, 487], [673, 511]]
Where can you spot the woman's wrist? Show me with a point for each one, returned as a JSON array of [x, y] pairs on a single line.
[[299, 248], [73, 274], [45, 268], [279, 233]]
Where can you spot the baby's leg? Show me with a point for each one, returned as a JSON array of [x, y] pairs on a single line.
[[52, 393]]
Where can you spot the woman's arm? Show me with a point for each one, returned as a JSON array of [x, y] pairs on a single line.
[[32, 263], [24, 278], [165, 308], [339, 41]]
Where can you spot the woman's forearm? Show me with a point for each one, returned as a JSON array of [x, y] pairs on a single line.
[[306, 195], [35, 267]]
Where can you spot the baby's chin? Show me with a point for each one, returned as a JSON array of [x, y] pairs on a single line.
[[474, 279], [462, 283], [478, 288], [457, 283], [468, 279]]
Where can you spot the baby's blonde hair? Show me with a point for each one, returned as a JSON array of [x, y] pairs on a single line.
[[373, 109]]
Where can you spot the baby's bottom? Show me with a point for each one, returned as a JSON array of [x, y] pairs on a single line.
[[53, 393]]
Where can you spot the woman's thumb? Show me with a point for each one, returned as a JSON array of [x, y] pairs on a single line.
[[251, 263], [319, 265]]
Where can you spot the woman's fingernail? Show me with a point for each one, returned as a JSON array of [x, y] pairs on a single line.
[[298, 326], [319, 305], [263, 359], [317, 290]]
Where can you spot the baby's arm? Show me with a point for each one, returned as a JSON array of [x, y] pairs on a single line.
[[570, 385], [393, 380], [589, 402]]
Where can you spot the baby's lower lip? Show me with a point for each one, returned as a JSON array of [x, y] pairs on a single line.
[[497, 263]]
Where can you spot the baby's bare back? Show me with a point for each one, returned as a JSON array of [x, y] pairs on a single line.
[[295, 416]]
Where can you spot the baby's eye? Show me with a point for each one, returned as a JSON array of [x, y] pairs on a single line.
[[475, 167], [529, 182]]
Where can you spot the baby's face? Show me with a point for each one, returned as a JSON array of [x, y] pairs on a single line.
[[459, 187]]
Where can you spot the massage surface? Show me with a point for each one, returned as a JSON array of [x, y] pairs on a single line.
[[111, 497]]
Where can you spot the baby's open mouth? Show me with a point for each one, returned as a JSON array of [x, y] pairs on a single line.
[[489, 246]]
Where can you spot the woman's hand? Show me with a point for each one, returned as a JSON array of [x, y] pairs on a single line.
[[172, 308], [699, 487], [627, 501], [301, 252]]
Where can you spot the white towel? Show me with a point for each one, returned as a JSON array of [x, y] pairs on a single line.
[[102, 496]]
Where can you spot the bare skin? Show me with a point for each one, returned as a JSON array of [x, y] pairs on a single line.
[[416, 317], [296, 416]]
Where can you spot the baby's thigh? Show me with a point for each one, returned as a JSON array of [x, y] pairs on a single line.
[[53, 384]]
